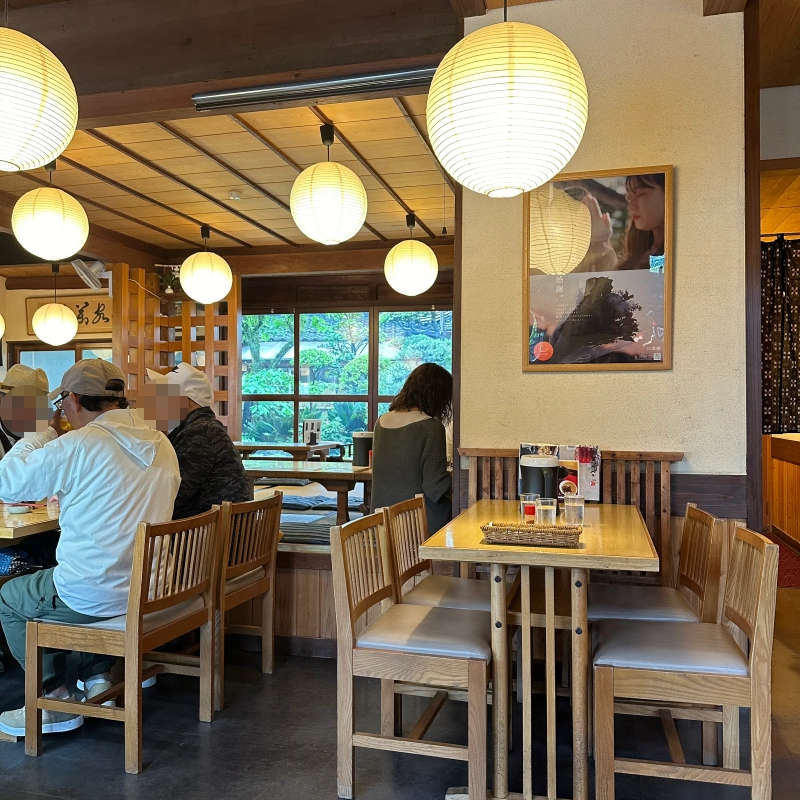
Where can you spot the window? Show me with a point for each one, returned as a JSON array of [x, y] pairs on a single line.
[[55, 361], [341, 367]]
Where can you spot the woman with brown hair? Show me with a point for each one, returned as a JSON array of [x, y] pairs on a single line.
[[409, 454]]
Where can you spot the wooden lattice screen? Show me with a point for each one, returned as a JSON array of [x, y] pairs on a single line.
[[161, 332]]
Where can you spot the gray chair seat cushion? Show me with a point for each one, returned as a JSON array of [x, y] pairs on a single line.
[[647, 603], [669, 647], [430, 631], [242, 581], [448, 592]]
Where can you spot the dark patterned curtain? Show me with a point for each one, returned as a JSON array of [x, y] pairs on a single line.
[[780, 335]]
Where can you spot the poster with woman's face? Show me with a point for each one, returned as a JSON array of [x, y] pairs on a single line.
[[598, 274]]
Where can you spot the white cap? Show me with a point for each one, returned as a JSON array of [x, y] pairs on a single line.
[[194, 384]]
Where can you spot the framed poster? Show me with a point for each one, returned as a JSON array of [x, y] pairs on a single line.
[[92, 310], [597, 283]]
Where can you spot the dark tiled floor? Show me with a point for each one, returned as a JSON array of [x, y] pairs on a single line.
[[276, 738]]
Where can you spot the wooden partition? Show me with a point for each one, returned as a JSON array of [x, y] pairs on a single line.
[[632, 478], [781, 454], [158, 331]]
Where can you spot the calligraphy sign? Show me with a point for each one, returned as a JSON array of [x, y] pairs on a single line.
[[92, 310]]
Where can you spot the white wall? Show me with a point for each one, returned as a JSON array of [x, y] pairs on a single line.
[[665, 87], [780, 122]]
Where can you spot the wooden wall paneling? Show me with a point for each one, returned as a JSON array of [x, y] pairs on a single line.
[[307, 604]]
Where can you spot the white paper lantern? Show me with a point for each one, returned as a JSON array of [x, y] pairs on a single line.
[[206, 277], [50, 223], [55, 324], [2, 326], [560, 231], [38, 102], [328, 202], [411, 267], [507, 109]]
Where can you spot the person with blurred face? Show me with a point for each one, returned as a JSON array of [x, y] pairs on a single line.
[[211, 470], [110, 472], [17, 375]]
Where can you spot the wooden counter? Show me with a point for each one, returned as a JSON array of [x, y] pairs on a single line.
[[781, 474]]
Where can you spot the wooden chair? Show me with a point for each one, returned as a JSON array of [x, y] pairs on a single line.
[[418, 644], [249, 533], [407, 528], [696, 664], [173, 591]]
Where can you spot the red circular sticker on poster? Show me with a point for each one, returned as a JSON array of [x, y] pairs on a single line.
[[543, 351]]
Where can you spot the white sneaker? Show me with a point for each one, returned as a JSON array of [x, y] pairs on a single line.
[[98, 687], [146, 684], [13, 722]]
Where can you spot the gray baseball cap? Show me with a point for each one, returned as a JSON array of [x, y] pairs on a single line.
[[93, 377]]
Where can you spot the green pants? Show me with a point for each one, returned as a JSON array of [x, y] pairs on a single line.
[[34, 597]]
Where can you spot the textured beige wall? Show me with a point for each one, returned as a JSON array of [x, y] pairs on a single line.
[[665, 87]]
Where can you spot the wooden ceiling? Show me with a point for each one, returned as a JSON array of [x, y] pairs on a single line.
[[157, 182], [780, 42]]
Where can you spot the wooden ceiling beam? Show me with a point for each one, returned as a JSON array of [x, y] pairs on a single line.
[[713, 7], [372, 171], [406, 112], [288, 160], [135, 193], [146, 162], [469, 8], [33, 282]]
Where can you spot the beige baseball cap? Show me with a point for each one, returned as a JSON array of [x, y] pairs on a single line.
[[93, 377], [20, 375], [194, 384]]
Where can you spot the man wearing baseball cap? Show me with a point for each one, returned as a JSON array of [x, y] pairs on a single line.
[[211, 469], [19, 375], [110, 471]]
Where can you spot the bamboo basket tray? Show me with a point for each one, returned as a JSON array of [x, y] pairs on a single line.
[[533, 535]]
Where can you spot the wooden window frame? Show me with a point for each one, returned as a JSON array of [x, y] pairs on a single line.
[[77, 346]]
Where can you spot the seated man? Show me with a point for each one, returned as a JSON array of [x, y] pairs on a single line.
[[111, 471], [211, 469], [18, 375]]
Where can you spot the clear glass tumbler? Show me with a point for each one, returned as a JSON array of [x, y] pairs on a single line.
[[573, 509], [546, 508], [527, 507]]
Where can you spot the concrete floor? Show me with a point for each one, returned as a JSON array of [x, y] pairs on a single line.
[[276, 738]]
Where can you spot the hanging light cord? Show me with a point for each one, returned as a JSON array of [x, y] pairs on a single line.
[[5, 15], [505, 10]]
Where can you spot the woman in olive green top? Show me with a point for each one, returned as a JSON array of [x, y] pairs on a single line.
[[409, 454]]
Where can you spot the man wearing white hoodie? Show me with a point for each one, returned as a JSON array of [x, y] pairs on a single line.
[[111, 471]]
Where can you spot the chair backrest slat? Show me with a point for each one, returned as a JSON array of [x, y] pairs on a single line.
[[252, 530], [700, 559], [362, 570], [407, 528]]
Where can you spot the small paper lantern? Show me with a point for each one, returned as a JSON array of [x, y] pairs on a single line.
[[328, 202], [560, 231], [50, 223], [411, 267], [507, 109], [206, 277], [38, 101], [55, 324]]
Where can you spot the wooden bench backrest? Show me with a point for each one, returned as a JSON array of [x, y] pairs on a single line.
[[630, 478]]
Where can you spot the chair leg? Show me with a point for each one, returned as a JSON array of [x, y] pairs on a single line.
[[710, 744], [604, 733], [730, 737], [219, 659], [477, 726], [760, 738], [267, 637], [345, 725], [133, 713], [208, 653], [33, 691], [388, 718]]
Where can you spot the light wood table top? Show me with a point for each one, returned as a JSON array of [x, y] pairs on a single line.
[[18, 526], [614, 537], [310, 470]]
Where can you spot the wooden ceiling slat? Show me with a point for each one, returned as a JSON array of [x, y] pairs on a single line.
[[278, 118], [179, 180], [780, 42], [361, 110]]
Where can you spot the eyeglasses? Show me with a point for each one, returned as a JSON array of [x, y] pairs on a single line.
[[60, 399]]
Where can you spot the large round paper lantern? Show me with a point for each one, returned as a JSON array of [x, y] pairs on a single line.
[[328, 202], [38, 102], [2, 326], [507, 109], [206, 277], [411, 267], [55, 324], [50, 223], [560, 231]]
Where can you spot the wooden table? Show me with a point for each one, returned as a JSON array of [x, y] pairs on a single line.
[[299, 451], [14, 527], [614, 537], [336, 476]]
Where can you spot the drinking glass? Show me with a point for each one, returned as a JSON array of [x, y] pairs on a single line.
[[546, 511], [527, 507], [573, 509]]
